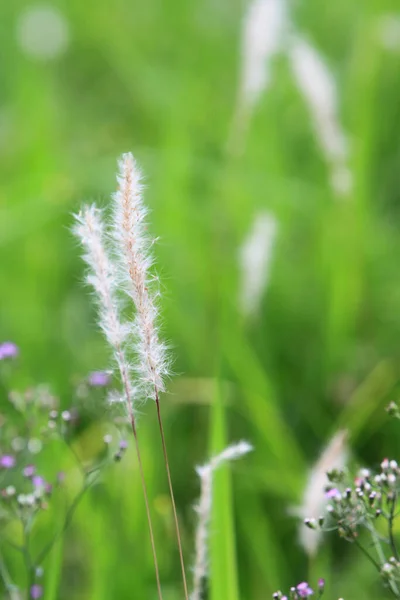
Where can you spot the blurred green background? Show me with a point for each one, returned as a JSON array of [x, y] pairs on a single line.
[[160, 79]]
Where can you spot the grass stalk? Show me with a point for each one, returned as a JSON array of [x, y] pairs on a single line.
[[171, 493], [146, 501]]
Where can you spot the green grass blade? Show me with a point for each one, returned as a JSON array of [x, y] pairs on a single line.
[[224, 571]]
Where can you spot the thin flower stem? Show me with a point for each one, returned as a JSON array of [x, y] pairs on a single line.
[[9, 585], [382, 559], [178, 535], [146, 500], [390, 524], [27, 556], [367, 554], [68, 518]]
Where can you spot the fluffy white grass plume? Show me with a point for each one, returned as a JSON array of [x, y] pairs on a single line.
[[89, 228], [255, 261], [318, 87], [389, 32], [204, 507], [134, 257], [334, 456], [263, 31], [134, 260]]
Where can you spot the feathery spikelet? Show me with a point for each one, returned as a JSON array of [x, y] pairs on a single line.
[[204, 507], [319, 90], [255, 261], [89, 228], [134, 260], [134, 263], [334, 456], [263, 31]]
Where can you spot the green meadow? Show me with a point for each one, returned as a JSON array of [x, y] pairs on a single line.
[[321, 353]]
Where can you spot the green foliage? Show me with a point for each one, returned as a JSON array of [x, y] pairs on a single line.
[[160, 79]]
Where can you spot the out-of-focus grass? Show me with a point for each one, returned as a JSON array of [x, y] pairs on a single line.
[[160, 80]]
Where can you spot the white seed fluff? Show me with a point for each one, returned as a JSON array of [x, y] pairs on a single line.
[[263, 31], [334, 456], [255, 261], [204, 507], [318, 87], [134, 261], [101, 277]]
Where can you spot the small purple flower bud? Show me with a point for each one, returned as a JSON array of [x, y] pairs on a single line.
[[60, 476], [38, 481], [7, 461], [304, 590], [36, 591], [123, 445], [48, 488], [29, 470], [8, 350], [321, 583], [99, 379], [333, 493]]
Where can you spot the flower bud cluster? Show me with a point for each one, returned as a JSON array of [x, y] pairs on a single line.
[[353, 504], [391, 570], [32, 422], [301, 590]]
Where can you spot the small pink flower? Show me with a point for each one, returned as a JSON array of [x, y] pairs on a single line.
[[38, 481], [36, 591], [8, 350], [333, 493], [99, 379], [304, 590], [7, 461], [29, 470]]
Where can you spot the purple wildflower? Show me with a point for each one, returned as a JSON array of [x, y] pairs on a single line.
[[321, 583], [8, 350], [38, 481], [48, 488], [99, 379], [7, 461], [304, 590], [36, 591], [123, 444], [333, 493], [29, 470]]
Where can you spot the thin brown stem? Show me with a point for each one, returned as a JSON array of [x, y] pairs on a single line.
[[125, 381], [146, 500], [178, 535]]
